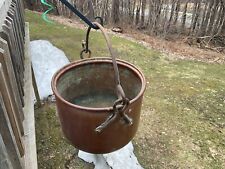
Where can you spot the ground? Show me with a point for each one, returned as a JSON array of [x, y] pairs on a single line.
[[183, 113]]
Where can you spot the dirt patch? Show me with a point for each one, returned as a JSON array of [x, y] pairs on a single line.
[[68, 21], [178, 49]]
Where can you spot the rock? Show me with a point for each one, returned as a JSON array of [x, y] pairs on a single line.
[[117, 29]]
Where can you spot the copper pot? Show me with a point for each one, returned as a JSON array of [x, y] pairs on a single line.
[[85, 92]]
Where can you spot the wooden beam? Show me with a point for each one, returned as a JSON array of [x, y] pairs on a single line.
[[7, 47], [16, 106], [29, 123], [15, 87]]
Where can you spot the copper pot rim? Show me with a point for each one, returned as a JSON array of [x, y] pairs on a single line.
[[74, 64]]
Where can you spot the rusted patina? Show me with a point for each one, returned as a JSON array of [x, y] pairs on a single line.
[[94, 77]]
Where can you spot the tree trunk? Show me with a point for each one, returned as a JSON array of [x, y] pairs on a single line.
[[203, 19], [90, 10], [133, 11], [195, 16], [143, 7], [80, 5], [216, 24], [184, 15], [177, 10], [115, 11], [137, 15], [206, 20], [150, 14], [158, 8], [212, 16], [171, 15]]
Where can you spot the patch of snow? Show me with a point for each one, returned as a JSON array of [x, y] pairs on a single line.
[[97, 159], [123, 158], [46, 60]]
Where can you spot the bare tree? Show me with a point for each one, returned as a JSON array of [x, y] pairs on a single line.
[[184, 15], [115, 11], [143, 7]]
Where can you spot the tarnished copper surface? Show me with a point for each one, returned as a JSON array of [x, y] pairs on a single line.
[[79, 122]]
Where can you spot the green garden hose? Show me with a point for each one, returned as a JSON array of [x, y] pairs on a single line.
[[50, 7]]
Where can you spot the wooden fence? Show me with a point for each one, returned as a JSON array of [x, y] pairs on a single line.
[[17, 132]]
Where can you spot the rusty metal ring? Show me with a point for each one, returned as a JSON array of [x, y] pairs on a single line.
[[120, 105], [85, 51], [100, 19]]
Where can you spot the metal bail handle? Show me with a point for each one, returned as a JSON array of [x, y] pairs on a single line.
[[121, 104]]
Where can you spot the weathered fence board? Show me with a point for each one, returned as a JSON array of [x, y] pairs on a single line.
[[12, 34], [11, 112], [8, 138], [7, 47], [4, 5], [7, 58], [19, 44], [14, 56], [19, 113], [10, 23], [12, 13], [20, 9]]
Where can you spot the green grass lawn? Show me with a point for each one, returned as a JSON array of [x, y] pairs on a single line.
[[183, 115]]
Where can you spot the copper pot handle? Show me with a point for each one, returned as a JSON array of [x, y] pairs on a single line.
[[121, 104]]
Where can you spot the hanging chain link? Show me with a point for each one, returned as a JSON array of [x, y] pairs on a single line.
[[85, 44]]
